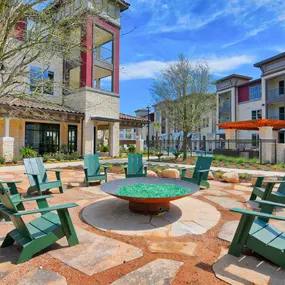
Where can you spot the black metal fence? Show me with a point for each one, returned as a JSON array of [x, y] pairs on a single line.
[[265, 150]]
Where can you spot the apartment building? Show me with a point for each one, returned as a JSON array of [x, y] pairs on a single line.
[[241, 98], [83, 99]]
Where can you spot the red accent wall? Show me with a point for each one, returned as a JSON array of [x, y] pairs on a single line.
[[243, 91], [87, 57], [20, 30]]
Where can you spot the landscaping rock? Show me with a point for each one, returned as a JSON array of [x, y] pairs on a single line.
[[231, 177], [151, 173], [157, 272], [171, 173], [210, 176]]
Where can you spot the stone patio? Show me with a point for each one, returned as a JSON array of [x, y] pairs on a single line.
[[120, 247]]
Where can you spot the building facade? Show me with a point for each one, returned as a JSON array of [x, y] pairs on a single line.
[[84, 95], [241, 98]]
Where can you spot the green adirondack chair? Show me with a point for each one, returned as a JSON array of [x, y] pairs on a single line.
[[40, 232], [37, 175], [135, 167], [267, 193], [254, 232], [92, 169], [201, 171]]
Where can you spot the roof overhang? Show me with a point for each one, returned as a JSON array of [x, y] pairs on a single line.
[[268, 60], [105, 119], [253, 125]]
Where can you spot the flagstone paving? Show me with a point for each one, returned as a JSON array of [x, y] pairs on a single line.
[[42, 277], [187, 248], [8, 260], [228, 230], [211, 192], [158, 272], [94, 253], [247, 270], [235, 192], [226, 203], [186, 216]]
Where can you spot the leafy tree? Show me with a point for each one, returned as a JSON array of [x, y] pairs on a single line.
[[181, 91]]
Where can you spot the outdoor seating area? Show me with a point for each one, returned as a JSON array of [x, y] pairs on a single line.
[[124, 229]]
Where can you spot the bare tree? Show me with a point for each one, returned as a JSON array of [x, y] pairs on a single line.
[[182, 92]]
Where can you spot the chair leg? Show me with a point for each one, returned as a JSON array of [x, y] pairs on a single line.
[[68, 227], [253, 197], [8, 241], [26, 254], [61, 190]]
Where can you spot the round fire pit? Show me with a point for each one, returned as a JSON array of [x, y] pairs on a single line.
[[149, 204]]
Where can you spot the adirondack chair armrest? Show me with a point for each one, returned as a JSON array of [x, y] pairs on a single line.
[[274, 182], [45, 210], [12, 181], [54, 170], [85, 167], [126, 166], [264, 202], [257, 214], [105, 166], [33, 198]]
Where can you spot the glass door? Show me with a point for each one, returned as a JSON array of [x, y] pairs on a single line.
[[72, 138]]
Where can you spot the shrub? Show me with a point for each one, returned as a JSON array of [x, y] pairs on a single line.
[[104, 148], [64, 148], [276, 167], [2, 160], [28, 152], [219, 174], [243, 175], [177, 154], [131, 148]]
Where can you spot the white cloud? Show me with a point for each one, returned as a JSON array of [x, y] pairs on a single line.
[[148, 69]]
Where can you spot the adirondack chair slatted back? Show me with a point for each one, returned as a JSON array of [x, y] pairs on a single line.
[[202, 163], [35, 166], [281, 188], [91, 161], [17, 221], [135, 164]]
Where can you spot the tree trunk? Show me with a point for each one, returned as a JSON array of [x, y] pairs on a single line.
[[185, 145]]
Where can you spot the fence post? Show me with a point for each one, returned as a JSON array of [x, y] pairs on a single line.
[[168, 147], [260, 151], [275, 151]]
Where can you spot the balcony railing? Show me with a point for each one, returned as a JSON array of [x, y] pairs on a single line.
[[275, 94], [274, 117]]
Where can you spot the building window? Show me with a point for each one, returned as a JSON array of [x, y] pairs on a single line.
[[163, 125], [206, 123], [157, 116], [255, 92], [281, 113], [281, 87], [72, 138], [256, 114], [44, 138], [281, 137], [42, 81], [254, 140]]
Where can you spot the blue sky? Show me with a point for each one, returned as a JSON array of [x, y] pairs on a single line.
[[231, 35]]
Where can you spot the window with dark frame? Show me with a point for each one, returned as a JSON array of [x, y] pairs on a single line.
[[281, 87], [72, 138], [281, 113], [41, 81], [256, 114], [254, 140]]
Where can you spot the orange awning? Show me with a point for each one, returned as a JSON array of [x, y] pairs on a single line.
[[253, 125]]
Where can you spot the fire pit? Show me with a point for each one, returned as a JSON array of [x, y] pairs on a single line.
[[153, 199]]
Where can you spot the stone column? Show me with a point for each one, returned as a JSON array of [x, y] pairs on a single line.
[[139, 141], [231, 136], [114, 135], [266, 148], [7, 143], [88, 132]]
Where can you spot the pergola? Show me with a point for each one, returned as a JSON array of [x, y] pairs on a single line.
[[268, 131], [253, 125]]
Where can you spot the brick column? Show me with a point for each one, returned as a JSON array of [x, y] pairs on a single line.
[[114, 135], [88, 141], [139, 141]]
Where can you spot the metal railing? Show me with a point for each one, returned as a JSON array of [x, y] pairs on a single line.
[[275, 93]]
